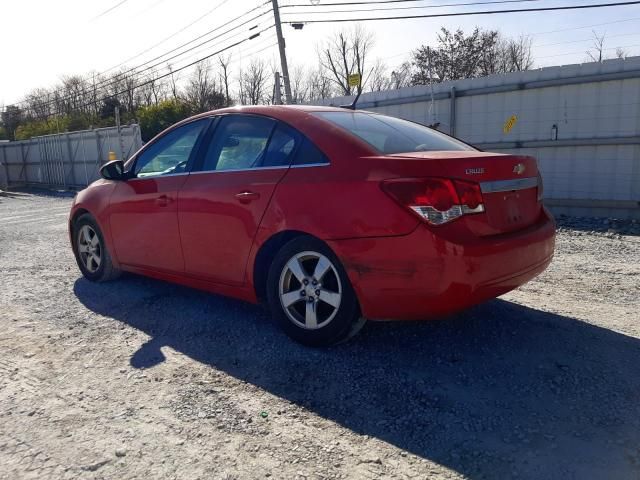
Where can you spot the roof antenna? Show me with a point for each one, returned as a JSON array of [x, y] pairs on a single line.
[[354, 80]]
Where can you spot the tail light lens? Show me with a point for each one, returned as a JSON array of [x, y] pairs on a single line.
[[540, 187], [436, 200]]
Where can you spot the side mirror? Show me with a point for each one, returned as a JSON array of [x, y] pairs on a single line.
[[113, 170]]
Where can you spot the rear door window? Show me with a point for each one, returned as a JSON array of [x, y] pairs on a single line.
[[239, 143], [308, 154], [282, 147]]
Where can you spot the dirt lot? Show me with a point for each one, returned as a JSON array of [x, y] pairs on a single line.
[[142, 379]]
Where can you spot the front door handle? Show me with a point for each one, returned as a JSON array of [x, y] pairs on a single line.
[[247, 197], [163, 201]]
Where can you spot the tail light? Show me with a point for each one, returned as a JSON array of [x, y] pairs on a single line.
[[540, 187], [436, 200]]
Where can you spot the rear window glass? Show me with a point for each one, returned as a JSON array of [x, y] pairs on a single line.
[[392, 135]]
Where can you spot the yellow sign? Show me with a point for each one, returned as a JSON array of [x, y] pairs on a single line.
[[354, 80], [112, 156], [509, 124]]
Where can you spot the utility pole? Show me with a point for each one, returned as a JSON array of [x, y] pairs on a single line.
[[283, 55], [432, 112], [277, 92]]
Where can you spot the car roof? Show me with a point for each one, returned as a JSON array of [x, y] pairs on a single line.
[[281, 112]]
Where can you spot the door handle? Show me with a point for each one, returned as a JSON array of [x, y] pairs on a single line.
[[247, 197], [163, 201]]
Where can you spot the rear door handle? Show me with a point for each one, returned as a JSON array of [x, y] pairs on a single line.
[[247, 197], [163, 201]]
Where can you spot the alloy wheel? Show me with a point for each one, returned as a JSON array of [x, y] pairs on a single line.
[[89, 248], [310, 290]]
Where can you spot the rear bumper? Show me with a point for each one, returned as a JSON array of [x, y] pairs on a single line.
[[426, 274]]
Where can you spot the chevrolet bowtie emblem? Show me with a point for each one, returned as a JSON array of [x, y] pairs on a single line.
[[519, 169]]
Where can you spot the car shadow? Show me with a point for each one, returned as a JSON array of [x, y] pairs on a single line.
[[500, 391]]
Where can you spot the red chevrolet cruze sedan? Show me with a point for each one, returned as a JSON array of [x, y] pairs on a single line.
[[330, 215]]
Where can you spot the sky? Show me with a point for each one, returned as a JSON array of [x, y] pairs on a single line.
[[45, 40]]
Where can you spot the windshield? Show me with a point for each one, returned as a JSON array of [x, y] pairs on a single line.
[[392, 135]]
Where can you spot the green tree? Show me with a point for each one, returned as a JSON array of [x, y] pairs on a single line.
[[12, 117], [458, 56], [155, 118]]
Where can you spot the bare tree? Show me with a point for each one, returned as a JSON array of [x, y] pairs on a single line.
[[173, 83], [621, 53], [300, 85], [74, 88], [320, 85], [38, 104], [400, 76], [130, 95], [518, 56], [346, 54], [378, 78], [153, 90], [224, 76], [95, 92], [201, 92], [596, 54], [253, 83]]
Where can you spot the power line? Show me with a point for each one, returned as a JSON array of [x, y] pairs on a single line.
[[196, 38], [462, 14], [585, 26], [369, 2], [171, 36], [123, 77], [150, 7], [108, 10], [413, 7], [268, 38], [139, 85], [577, 53], [135, 70], [585, 40]]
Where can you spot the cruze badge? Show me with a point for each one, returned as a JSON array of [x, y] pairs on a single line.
[[519, 169], [474, 171]]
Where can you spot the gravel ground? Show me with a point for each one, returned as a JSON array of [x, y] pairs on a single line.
[[142, 379]]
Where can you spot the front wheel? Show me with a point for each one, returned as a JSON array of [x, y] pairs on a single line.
[[310, 294], [91, 252]]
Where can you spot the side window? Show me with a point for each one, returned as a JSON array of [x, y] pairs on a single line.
[[170, 153], [281, 147], [239, 142], [308, 154]]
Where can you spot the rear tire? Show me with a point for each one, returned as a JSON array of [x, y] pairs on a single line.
[[310, 295], [90, 250]]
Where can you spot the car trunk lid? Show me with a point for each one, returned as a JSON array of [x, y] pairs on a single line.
[[509, 185]]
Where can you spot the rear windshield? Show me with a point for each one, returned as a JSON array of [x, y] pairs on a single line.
[[392, 135]]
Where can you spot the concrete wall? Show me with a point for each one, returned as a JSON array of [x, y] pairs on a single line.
[[592, 168]]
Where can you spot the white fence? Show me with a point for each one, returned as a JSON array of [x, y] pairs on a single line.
[[582, 122], [65, 160]]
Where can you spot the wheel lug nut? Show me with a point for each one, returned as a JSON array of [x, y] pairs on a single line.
[[310, 300], [303, 293], [317, 293], [314, 282], [305, 281]]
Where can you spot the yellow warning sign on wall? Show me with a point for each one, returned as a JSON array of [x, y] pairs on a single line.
[[354, 80], [509, 124]]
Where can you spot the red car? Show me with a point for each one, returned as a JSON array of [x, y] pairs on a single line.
[[330, 215]]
